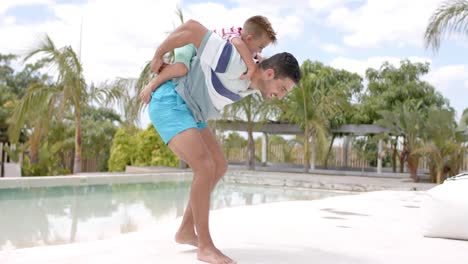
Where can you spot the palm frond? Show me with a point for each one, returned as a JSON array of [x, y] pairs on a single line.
[[450, 17]]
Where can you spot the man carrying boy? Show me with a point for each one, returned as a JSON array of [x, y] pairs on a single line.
[[256, 34], [179, 114]]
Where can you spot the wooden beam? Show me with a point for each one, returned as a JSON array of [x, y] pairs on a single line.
[[269, 128], [361, 130]]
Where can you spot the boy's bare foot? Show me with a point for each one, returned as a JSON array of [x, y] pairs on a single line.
[[212, 255], [189, 238]]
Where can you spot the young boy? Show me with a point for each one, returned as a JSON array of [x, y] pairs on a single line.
[[256, 34]]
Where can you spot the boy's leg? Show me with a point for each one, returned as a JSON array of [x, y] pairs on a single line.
[[172, 71], [168, 73], [186, 233], [182, 59], [190, 146]]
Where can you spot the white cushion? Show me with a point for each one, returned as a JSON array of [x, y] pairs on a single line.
[[445, 209]]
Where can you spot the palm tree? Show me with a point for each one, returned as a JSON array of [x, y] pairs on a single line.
[[66, 94], [146, 75], [442, 145], [312, 105], [132, 100], [406, 120], [463, 124], [253, 111], [450, 17], [122, 94], [35, 111]]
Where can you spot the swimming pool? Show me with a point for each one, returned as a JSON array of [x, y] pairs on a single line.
[[65, 214]]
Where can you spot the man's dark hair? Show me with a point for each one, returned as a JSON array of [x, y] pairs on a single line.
[[285, 66]]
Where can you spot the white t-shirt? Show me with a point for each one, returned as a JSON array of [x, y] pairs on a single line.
[[213, 79]]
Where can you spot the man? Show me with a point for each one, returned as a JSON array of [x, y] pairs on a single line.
[[179, 111]]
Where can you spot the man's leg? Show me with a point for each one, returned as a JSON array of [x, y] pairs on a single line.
[[190, 146], [186, 233]]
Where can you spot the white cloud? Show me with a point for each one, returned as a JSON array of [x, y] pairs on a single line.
[[7, 4], [288, 24], [452, 82], [265, 7], [400, 22], [450, 78], [212, 15], [118, 36], [332, 48], [360, 66], [327, 5]]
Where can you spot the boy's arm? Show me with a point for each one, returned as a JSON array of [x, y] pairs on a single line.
[[189, 32], [245, 55]]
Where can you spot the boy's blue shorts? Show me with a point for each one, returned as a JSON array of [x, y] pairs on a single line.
[[169, 113]]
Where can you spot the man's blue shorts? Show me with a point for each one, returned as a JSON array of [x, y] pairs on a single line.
[[169, 113]]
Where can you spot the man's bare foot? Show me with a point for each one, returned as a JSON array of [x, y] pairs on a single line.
[[189, 238], [212, 255]]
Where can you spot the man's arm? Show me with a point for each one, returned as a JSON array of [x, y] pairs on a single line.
[[189, 32]]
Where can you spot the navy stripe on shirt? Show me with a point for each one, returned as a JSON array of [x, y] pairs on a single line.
[[219, 87], [224, 58]]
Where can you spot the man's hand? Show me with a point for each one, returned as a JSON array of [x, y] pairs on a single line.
[[158, 64]]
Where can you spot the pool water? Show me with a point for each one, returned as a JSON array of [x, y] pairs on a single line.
[[60, 215]]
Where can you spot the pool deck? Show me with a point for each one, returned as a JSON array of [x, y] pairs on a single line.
[[372, 227], [380, 225]]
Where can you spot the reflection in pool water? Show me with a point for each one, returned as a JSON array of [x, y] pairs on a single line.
[[59, 215]]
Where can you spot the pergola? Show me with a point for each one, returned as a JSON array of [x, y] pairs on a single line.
[[361, 130], [5, 141], [292, 129]]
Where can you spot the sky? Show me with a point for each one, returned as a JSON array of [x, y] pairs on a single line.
[[119, 37]]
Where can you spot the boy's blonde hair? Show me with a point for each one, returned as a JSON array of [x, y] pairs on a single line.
[[257, 26]]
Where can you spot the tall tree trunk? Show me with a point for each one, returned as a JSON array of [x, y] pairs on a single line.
[[312, 151], [35, 141], [306, 149], [440, 173], [77, 160], [413, 162], [328, 152], [394, 155], [432, 173], [250, 150], [403, 156], [306, 134]]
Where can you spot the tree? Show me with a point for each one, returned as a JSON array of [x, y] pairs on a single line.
[[463, 124], [125, 97], [313, 105], [99, 127], [450, 17], [253, 111], [122, 152], [442, 145], [389, 87], [407, 121], [13, 85], [66, 94], [151, 150]]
